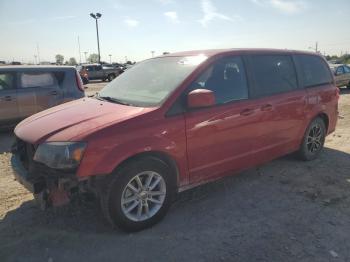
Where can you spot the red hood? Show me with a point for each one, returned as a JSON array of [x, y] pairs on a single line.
[[74, 120]]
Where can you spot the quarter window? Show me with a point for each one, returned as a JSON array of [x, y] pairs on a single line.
[[226, 78], [30, 80], [347, 69], [6, 81], [314, 70], [273, 74]]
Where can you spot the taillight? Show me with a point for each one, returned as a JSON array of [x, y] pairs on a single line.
[[337, 93], [79, 82]]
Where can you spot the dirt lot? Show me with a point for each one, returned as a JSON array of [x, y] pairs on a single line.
[[285, 210], [94, 86]]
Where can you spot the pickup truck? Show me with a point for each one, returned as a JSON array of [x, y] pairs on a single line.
[[97, 71]]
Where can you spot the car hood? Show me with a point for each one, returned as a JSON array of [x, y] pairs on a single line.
[[74, 120]]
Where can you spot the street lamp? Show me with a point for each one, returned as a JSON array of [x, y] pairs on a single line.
[[97, 16], [85, 56], [110, 59]]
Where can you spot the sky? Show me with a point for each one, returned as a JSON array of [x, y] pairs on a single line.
[[131, 29]]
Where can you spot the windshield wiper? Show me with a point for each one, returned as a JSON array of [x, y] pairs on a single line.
[[111, 99]]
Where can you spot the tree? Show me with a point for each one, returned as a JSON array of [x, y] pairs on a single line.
[[72, 61], [59, 59], [93, 58]]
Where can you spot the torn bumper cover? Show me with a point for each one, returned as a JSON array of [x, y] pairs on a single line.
[[53, 186], [23, 177]]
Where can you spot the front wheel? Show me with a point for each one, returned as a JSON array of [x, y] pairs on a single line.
[[139, 195], [313, 140], [111, 77]]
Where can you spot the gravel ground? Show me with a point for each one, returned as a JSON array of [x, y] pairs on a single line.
[[286, 210]]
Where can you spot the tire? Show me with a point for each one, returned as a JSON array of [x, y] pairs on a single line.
[[111, 77], [124, 185], [313, 140]]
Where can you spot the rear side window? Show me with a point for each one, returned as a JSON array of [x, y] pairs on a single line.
[[6, 81], [273, 74], [59, 77], [30, 80], [314, 70], [347, 69]]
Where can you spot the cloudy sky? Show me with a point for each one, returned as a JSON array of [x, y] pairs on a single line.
[[134, 28]]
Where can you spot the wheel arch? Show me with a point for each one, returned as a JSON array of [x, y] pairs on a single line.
[[325, 119], [164, 157]]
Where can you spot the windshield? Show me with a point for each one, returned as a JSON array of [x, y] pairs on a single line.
[[150, 82]]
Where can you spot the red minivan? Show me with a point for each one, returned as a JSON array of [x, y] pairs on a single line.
[[173, 122]]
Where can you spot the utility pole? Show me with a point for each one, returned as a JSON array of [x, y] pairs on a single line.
[[37, 50], [85, 57], [152, 52], [96, 17], [316, 49], [79, 51], [110, 59], [35, 59]]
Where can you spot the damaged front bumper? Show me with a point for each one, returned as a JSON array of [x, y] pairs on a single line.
[[50, 187], [23, 177]]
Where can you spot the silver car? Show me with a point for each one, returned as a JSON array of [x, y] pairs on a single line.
[[341, 74], [26, 90]]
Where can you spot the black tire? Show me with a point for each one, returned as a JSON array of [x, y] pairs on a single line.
[[313, 140], [111, 77], [111, 199]]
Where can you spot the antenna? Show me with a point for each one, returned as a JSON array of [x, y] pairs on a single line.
[[79, 50]]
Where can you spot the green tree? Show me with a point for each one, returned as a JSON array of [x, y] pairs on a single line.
[[93, 58], [72, 61], [59, 59]]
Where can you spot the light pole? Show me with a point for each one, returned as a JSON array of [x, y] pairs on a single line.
[[152, 52], [85, 56], [96, 17], [110, 59]]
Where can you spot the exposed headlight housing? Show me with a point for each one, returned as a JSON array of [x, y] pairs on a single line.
[[60, 155]]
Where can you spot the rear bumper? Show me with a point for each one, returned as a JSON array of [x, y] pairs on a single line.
[[22, 176]]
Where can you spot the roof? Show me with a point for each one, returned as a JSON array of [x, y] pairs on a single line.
[[213, 52], [33, 67]]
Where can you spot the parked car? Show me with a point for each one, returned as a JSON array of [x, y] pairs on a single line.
[[26, 90], [97, 71], [342, 75], [174, 122]]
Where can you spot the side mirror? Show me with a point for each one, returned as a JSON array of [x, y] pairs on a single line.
[[200, 98]]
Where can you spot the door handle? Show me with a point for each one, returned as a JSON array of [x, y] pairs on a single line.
[[7, 98], [247, 112], [266, 107], [54, 93]]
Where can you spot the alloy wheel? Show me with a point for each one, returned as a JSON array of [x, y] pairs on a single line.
[[315, 139], [143, 196]]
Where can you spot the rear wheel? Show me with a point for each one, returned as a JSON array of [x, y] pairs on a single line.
[[313, 140], [139, 195]]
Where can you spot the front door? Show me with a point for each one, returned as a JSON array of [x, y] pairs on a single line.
[[8, 99], [219, 137]]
